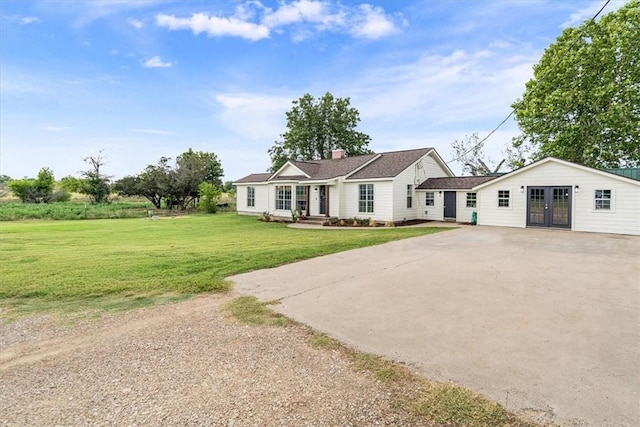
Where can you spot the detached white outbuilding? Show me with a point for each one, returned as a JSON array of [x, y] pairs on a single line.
[[560, 194]]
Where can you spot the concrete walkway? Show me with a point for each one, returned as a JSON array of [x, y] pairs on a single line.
[[546, 322]]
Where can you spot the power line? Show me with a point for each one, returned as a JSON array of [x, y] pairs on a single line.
[[555, 64]]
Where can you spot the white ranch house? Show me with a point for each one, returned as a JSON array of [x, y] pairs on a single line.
[[378, 186], [417, 184]]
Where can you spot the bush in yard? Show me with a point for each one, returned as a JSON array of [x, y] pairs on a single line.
[[29, 190], [209, 197]]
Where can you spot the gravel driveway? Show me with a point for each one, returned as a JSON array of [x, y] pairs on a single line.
[[182, 364]]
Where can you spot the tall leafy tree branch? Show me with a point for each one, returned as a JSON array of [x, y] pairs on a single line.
[[315, 127], [583, 103]]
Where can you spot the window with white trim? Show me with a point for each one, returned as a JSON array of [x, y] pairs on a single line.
[[603, 200], [301, 198], [365, 203], [251, 197], [429, 198], [409, 196], [471, 200], [503, 198], [283, 197]]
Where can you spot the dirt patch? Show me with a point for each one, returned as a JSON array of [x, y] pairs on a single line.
[[182, 364]]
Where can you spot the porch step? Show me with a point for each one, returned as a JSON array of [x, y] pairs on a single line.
[[314, 220]]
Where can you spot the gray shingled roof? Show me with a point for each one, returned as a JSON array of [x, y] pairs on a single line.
[[383, 165], [254, 177], [332, 168], [390, 164], [454, 183]]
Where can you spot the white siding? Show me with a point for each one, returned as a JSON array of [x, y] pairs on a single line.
[[416, 174], [436, 212], [400, 210], [290, 170], [333, 192], [430, 169], [463, 213], [490, 214], [431, 213], [382, 200], [261, 199], [623, 218]]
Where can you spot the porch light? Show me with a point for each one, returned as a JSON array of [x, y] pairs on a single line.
[[522, 188], [439, 193], [577, 189]]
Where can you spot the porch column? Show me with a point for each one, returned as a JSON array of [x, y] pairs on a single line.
[[327, 191]]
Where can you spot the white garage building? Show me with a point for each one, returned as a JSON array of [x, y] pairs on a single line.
[[560, 194]]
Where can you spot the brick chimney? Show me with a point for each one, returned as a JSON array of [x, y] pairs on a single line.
[[337, 154]]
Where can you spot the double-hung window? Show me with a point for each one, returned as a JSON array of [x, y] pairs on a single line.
[[283, 197], [603, 200], [365, 204], [471, 200], [429, 198], [251, 197], [503, 198], [409, 196]]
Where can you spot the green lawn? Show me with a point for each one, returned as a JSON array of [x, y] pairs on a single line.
[[121, 264]]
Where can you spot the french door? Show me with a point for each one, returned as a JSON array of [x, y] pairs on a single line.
[[549, 207]]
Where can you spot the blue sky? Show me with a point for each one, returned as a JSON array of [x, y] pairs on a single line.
[[141, 79]]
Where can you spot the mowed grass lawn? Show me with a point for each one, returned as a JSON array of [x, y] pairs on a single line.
[[78, 266]]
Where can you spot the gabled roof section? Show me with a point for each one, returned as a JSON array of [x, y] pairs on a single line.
[[332, 168], [276, 174], [390, 164], [562, 162], [454, 183], [254, 177]]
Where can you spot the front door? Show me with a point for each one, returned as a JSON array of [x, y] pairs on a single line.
[[449, 205], [323, 200], [549, 207]]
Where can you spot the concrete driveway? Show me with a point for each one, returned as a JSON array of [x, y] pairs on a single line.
[[546, 322]]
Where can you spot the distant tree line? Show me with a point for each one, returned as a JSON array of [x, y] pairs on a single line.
[[194, 176]]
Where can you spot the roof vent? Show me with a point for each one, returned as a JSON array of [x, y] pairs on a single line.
[[337, 154]]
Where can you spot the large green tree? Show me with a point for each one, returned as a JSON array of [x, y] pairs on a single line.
[[192, 169], [583, 103], [154, 183], [315, 127]]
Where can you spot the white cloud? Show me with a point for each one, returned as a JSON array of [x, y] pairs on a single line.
[[256, 116], [135, 23], [55, 128], [156, 62], [152, 131], [372, 23], [312, 11], [578, 17], [214, 26], [26, 20], [253, 21]]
